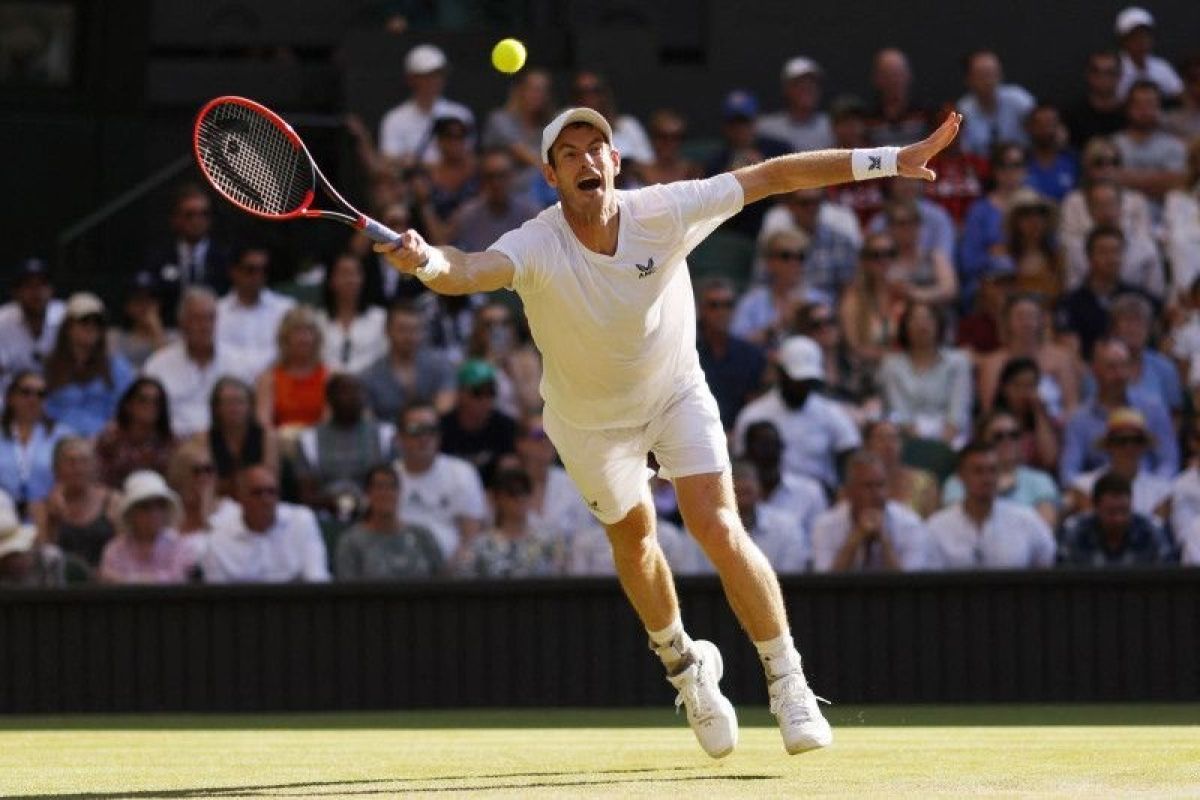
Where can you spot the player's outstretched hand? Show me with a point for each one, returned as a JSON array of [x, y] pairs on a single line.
[[408, 254], [912, 159]]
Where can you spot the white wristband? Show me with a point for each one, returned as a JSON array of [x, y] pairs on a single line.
[[877, 162], [435, 266]]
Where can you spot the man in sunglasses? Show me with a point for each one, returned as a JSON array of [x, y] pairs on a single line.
[[475, 429], [1101, 112], [733, 367]]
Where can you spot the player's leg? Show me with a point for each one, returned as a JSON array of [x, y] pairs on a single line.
[[642, 569]]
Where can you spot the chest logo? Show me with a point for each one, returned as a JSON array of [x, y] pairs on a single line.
[[647, 269]]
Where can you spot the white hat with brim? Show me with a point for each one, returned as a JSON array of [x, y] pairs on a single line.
[[1133, 18], [14, 537], [424, 59], [800, 358], [145, 485], [569, 117]]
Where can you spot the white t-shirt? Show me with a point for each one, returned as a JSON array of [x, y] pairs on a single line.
[[356, 348], [252, 329], [812, 437], [407, 130], [907, 533], [781, 540], [292, 550], [438, 497], [1013, 537], [618, 333], [189, 385], [799, 496]]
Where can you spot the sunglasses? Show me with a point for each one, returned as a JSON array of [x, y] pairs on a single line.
[[1005, 436], [482, 391], [1104, 162], [421, 429], [718, 304], [1011, 165], [496, 175], [90, 319], [147, 398], [29, 391], [1127, 440], [263, 491], [817, 323], [787, 255], [878, 255]]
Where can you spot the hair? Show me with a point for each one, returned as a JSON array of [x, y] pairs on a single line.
[[1131, 304], [1108, 484], [382, 468], [969, 59], [790, 234], [1193, 163], [862, 457], [66, 443], [327, 298], [939, 320], [986, 421], [415, 405], [185, 192], [179, 465], [974, 447], [755, 428], [666, 116], [1000, 149], [715, 283], [193, 293], [162, 425], [404, 306], [1099, 232], [240, 251], [214, 398], [1105, 53], [1046, 243], [865, 290], [1105, 183], [337, 380], [296, 318], [6, 416], [1142, 85], [804, 317], [478, 343], [1011, 369], [870, 426], [894, 208], [61, 369]]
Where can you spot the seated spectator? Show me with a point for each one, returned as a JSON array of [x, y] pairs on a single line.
[[1154, 161], [743, 146], [979, 331], [764, 313], [1101, 160], [1085, 428], [920, 274], [848, 117], [895, 118], [1126, 442], [733, 367], [926, 385], [981, 247], [794, 495], [382, 284], [269, 542], [1183, 338], [777, 534], [910, 486], [406, 130], [962, 177], [29, 322], [1016, 482], [871, 307], [865, 530], [139, 436], [382, 546], [148, 549], [1082, 316], [1141, 264], [511, 547], [441, 188], [334, 456], [935, 228], [237, 439], [816, 432], [351, 328], [1181, 225], [409, 372], [847, 379], [1152, 373], [440, 492], [983, 530], [192, 257], [1111, 534], [24, 562], [80, 512], [292, 392], [27, 440], [993, 111], [192, 475], [517, 125], [668, 129], [801, 124], [83, 379], [554, 503], [142, 330], [833, 238], [1101, 113], [1184, 120], [1020, 391], [590, 90], [189, 368], [1026, 333], [1135, 36], [498, 208], [1030, 227], [496, 339], [1053, 169], [249, 315], [475, 429]]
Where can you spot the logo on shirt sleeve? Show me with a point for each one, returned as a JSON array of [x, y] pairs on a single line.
[[647, 269]]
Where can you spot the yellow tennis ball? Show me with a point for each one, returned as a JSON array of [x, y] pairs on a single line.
[[508, 55]]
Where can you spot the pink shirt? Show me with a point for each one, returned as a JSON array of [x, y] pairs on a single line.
[[169, 561]]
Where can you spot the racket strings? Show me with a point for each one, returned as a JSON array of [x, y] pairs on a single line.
[[252, 161]]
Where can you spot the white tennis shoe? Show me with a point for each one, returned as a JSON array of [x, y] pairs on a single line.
[[800, 720], [709, 712]]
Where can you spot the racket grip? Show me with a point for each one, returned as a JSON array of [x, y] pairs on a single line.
[[377, 231]]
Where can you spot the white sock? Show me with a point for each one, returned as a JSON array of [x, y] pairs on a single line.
[[671, 644], [779, 656]]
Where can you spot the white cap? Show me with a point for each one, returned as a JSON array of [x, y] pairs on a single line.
[[146, 485], [14, 537], [1133, 17], [800, 66], [84, 304], [571, 115], [423, 59], [800, 357]]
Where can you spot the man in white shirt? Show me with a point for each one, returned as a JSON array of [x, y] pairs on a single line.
[[269, 542], [248, 316], [983, 531], [29, 323], [777, 533], [1135, 32], [802, 123], [793, 494], [866, 531], [604, 281], [406, 132], [190, 367]]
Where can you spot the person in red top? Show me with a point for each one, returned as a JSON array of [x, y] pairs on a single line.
[[292, 391]]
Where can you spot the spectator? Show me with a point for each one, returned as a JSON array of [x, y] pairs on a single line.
[[382, 284], [764, 313], [778, 534], [29, 322], [981, 248], [192, 474], [497, 209], [142, 330], [742, 146], [1019, 391], [865, 530], [668, 129], [1185, 494], [554, 503], [590, 90], [801, 124], [80, 512], [922, 274], [1154, 161], [1030, 226], [961, 176], [511, 547], [1085, 428], [1135, 33], [249, 315], [517, 125], [441, 492], [794, 495], [292, 392], [236, 440], [871, 307], [496, 339], [910, 486], [334, 456], [475, 429], [1184, 121], [440, 189], [1181, 224], [1101, 160], [733, 367], [1083, 315], [1027, 335], [1152, 373], [983, 530], [148, 549], [816, 432], [1112, 534], [846, 378], [1101, 113], [1016, 482], [1183, 339], [191, 367], [27, 440], [1141, 265], [82, 378], [833, 238], [1126, 442], [993, 111], [927, 386], [382, 546], [848, 116], [935, 229], [192, 257], [409, 372], [139, 436], [895, 119], [351, 328], [24, 562], [1053, 169], [269, 542], [980, 330], [406, 131]]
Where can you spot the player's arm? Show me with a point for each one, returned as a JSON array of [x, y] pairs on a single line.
[[819, 168], [448, 270]]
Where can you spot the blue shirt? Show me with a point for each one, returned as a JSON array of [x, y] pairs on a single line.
[[1159, 380], [937, 228], [1081, 543], [1086, 426], [27, 474], [756, 311], [831, 260], [86, 407], [1057, 179], [1005, 123], [734, 377], [983, 227], [1031, 488]]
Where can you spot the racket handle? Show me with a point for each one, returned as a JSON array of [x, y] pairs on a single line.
[[377, 231]]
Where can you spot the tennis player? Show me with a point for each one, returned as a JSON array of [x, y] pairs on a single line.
[[605, 285]]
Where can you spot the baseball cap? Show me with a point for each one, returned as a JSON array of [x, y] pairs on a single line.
[[847, 105], [32, 267], [800, 357], [1133, 17], [475, 372], [84, 304], [569, 117], [739, 104], [423, 59], [144, 280], [800, 66]]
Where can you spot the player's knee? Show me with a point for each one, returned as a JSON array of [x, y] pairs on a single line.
[[719, 533]]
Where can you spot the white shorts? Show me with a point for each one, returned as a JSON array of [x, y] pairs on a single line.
[[609, 466]]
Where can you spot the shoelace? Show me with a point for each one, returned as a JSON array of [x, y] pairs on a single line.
[[793, 697], [694, 700]]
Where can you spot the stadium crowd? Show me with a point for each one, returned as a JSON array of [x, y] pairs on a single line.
[[1000, 369]]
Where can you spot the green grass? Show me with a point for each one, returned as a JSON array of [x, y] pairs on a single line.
[[894, 751]]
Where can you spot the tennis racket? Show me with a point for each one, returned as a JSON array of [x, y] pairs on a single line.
[[254, 159]]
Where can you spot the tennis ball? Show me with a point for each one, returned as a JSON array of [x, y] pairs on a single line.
[[508, 55]]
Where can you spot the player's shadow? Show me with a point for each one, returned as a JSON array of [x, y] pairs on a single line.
[[402, 786]]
